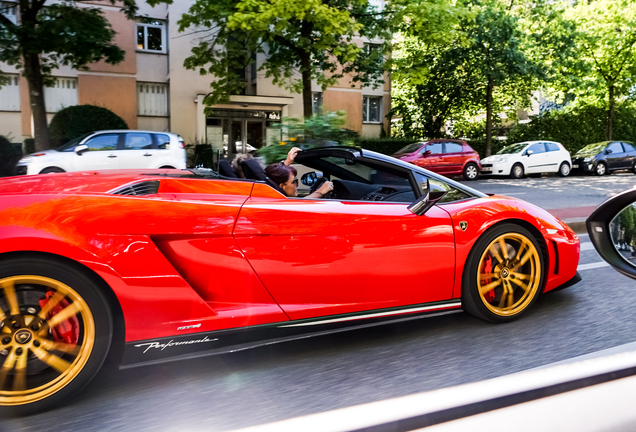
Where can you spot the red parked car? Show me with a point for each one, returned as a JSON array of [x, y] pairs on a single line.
[[443, 156], [157, 265]]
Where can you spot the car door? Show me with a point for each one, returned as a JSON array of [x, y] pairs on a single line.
[[138, 151], [615, 156], [452, 159], [630, 155], [102, 153], [431, 156], [535, 162], [324, 257]]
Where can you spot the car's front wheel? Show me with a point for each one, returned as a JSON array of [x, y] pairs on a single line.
[[55, 332], [601, 169], [50, 170], [564, 169], [517, 171], [471, 172], [504, 274]]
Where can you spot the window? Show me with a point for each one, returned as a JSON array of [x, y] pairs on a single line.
[[62, 94], [536, 148], [552, 147], [371, 109], [152, 99], [9, 10], [628, 147], [433, 148], [103, 142], [10, 94], [137, 141], [452, 147], [163, 141], [316, 99], [615, 147], [151, 36]]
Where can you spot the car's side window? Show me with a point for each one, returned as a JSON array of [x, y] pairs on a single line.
[[452, 147], [615, 147], [628, 147], [436, 185], [103, 142], [163, 141], [434, 148], [137, 141], [552, 147], [537, 148]]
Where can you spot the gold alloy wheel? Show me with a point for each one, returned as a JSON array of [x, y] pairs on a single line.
[[509, 274], [35, 361]]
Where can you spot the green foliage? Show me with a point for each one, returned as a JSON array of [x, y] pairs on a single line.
[[28, 146], [8, 157], [317, 131], [313, 37], [78, 120], [576, 127]]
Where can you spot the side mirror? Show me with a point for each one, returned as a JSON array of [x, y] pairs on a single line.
[[426, 201], [608, 151], [81, 149], [426, 153], [612, 230], [529, 152], [309, 179]]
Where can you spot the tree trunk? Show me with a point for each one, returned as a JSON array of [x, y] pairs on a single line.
[[305, 70], [610, 114], [33, 75], [489, 117]]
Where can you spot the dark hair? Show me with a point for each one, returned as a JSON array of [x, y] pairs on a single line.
[[279, 173]]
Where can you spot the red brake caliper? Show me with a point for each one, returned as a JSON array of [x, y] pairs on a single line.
[[68, 330], [487, 268]]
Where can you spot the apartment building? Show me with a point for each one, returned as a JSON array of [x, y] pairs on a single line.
[[152, 90]]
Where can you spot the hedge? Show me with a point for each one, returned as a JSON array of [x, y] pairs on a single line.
[[74, 121], [9, 157]]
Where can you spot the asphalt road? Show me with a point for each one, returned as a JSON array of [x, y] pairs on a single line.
[[262, 385]]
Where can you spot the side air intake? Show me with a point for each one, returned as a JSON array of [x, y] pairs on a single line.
[[139, 189]]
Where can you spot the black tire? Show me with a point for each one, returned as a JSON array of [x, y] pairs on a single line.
[[600, 169], [58, 358], [564, 169], [50, 170], [484, 296], [471, 172], [517, 171], [166, 167]]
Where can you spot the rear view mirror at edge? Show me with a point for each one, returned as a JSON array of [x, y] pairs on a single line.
[[612, 230], [426, 201]]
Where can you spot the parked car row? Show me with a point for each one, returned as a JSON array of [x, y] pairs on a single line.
[[456, 157]]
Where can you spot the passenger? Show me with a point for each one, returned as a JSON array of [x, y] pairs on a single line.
[[236, 163], [284, 176]]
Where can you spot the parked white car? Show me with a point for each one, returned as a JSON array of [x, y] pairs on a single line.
[[530, 157], [109, 149]]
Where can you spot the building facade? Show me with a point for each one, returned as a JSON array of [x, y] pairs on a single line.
[[152, 90]]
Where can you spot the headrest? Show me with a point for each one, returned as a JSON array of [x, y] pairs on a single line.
[[225, 169], [253, 170]]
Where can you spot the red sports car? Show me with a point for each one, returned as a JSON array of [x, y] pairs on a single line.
[[443, 156], [153, 265]]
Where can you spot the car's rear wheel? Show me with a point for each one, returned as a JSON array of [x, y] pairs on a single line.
[[516, 171], [166, 167], [55, 332], [601, 169], [504, 274], [471, 172], [50, 170], [564, 169]]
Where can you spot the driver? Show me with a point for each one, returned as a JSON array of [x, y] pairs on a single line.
[[285, 176]]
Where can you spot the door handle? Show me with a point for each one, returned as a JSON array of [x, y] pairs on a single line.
[[148, 154], [112, 156]]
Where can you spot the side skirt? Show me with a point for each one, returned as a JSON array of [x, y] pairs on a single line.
[[146, 352]]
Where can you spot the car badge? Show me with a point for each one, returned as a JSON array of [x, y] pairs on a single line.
[[463, 225]]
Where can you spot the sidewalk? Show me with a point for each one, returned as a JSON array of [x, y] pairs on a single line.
[[574, 216]]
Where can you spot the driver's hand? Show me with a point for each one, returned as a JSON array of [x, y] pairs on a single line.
[[325, 188], [292, 155]]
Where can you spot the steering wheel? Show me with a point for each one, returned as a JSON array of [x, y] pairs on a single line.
[[317, 185]]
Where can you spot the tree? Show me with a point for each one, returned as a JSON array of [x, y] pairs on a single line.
[[51, 34], [605, 68]]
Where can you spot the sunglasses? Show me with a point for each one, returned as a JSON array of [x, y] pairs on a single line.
[[294, 181]]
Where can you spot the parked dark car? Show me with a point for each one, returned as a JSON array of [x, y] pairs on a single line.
[[443, 156], [604, 157]]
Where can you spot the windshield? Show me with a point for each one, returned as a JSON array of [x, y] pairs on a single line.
[[410, 148], [593, 148], [511, 149], [69, 146]]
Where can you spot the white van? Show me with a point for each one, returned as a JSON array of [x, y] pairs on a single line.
[[109, 149]]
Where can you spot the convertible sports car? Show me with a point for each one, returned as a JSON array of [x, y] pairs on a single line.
[[152, 265]]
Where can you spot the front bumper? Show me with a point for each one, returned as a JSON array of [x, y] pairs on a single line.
[[495, 168], [21, 170], [580, 166]]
